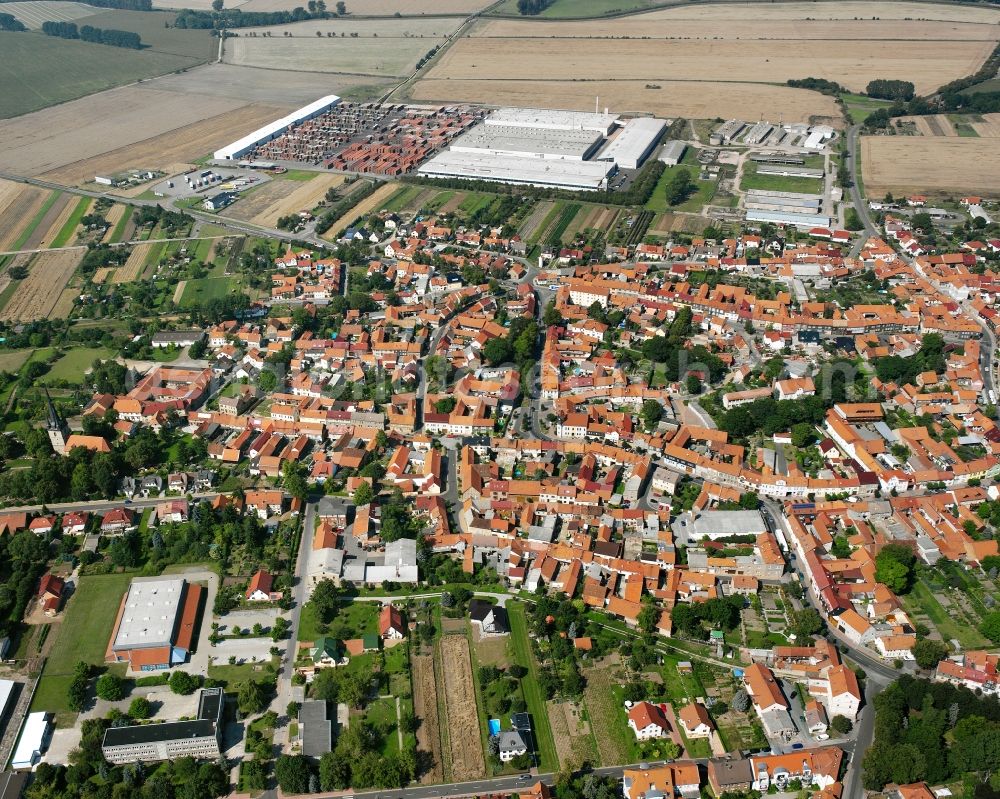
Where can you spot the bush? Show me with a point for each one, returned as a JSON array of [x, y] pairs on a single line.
[[841, 724], [183, 683], [110, 687], [140, 708]]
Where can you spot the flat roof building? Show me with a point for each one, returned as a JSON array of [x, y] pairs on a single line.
[[524, 142], [272, 130], [634, 142], [553, 119], [34, 740], [724, 523], [672, 152], [156, 623], [316, 728], [198, 737], [580, 175]]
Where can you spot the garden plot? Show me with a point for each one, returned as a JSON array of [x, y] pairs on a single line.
[[460, 699]]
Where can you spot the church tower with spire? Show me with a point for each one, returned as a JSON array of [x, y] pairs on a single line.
[[57, 427]]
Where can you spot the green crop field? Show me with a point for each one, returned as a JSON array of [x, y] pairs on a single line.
[[83, 635], [38, 70], [26, 233], [64, 235]]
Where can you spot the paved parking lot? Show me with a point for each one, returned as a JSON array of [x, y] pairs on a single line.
[[245, 650], [246, 619]]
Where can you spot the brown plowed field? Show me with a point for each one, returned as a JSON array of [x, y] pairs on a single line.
[[425, 708], [41, 290], [463, 720]]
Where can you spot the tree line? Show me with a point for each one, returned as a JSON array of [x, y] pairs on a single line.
[[885, 89], [530, 8], [640, 190], [88, 33], [8, 22], [219, 19]]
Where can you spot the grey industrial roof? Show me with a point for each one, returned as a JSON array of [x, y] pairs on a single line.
[[587, 175], [672, 149], [788, 218], [728, 522], [634, 140], [556, 120], [555, 143], [150, 613]]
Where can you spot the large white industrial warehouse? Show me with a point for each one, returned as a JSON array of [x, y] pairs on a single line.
[[561, 149], [273, 130]]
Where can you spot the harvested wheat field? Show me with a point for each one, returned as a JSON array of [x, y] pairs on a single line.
[[851, 63], [990, 126], [465, 740], [9, 190], [42, 289], [425, 708], [64, 305], [931, 125], [19, 214], [695, 23], [132, 126], [303, 197], [690, 99], [133, 266], [382, 8], [369, 205], [259, 199], [931, 165]]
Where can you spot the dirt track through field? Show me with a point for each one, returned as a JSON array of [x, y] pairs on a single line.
[[465, 740], [42, 289], [425, 708]]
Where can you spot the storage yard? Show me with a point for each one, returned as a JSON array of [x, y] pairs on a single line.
[[380, 140], [564, 149], [941, 164]]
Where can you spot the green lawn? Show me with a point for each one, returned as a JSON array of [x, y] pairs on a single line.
[[234, 675], [64, 235], [962, 126], [353, 620], [474, 202], [753, 180], [381, 714], [548, 759], [83, 635], [859, 107], [402, 198], [12, 360], [197, 292], [922, 597], [75, 362], [703, 193]]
